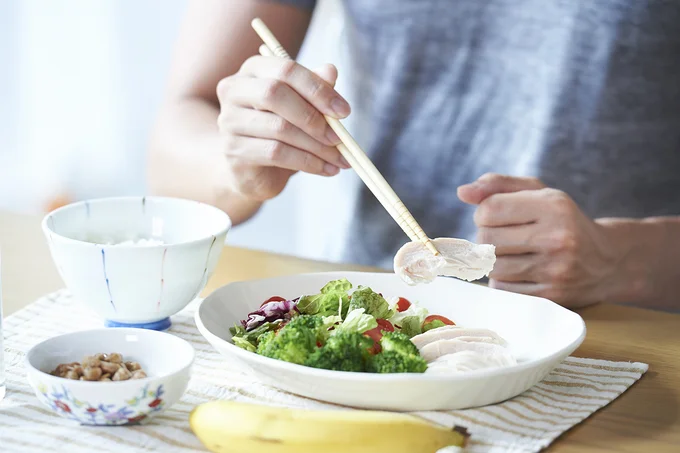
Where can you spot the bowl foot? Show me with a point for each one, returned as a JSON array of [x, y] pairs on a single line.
[[163, 324]]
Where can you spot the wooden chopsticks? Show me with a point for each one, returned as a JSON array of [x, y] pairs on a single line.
[[356, 157]]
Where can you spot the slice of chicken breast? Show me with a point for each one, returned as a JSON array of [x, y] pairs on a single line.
[[463, 361], [462, 333], [459, 258], [433, 351]]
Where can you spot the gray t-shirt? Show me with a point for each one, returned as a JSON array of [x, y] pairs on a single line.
[[584, 94]]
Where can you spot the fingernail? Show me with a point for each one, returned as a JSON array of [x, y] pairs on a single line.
[[340, 107], [330, 170], [344, 162], [332, 137]]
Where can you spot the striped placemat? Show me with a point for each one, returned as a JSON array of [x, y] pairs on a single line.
[[527, 423]]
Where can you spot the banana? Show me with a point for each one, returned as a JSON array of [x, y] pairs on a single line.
[[233, 427]]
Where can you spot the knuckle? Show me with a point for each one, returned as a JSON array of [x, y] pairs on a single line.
[[311, 164], [557, 198], [482, 215], [250, 61], [275, 150], [281, 127], [487, 210], [272, 91], [316, 88], [490, 177], [287, 69], [230, 145], [223, 87], [312, 118], [562, 241]]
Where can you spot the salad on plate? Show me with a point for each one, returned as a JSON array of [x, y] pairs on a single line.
[[343, 328]]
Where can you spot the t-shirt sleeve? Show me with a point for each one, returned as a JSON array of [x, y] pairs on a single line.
[[304, 4]]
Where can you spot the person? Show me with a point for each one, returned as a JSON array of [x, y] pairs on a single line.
[[556, 124]]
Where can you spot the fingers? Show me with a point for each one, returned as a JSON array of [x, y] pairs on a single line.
[[510, 240], [275, 96], [491, 183], [272, 115], [254, 123], [265, 52], [273, 153], [516, 268], [329, 73], [505, 209], [527, 206], [310, 86]]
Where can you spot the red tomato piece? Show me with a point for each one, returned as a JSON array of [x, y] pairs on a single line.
[[374, 334], [403, 304], [375, 349], [385, 325], [273, 299], [443, 319]]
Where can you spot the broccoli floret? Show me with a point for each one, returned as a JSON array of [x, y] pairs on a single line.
[[265, 338], [373, 303], [342, 352], [294, 342], [306, 322], [398, 342], [399, 355], [395, 362]]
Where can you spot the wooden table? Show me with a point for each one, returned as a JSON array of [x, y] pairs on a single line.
[[645, 419]]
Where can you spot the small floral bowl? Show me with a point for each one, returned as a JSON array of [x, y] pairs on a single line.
[[165, 358]]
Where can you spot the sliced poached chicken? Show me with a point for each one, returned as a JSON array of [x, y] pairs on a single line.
[[463, 334], [415, 264], [452, 349], [464, 361]]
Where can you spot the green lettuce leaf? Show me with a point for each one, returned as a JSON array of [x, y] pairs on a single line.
[[357, 321], [411, 326], [309, 305], [341, 285], [373, 303], [243, 343], [421, 313], [241, 338], [434, 324], [333, 300]]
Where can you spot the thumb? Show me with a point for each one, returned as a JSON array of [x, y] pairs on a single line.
[[328, 72], [492, 183]]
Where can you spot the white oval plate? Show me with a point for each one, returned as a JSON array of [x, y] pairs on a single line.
[[540, 333]]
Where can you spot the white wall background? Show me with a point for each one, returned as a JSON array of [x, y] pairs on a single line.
[[79, 87]]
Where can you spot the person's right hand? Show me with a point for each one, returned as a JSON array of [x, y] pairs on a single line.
[[272, 122]]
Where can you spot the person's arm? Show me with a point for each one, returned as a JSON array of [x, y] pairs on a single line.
[[187, 149], [546, 246]]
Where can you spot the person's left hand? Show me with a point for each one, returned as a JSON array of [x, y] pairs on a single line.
[[545, 245]]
